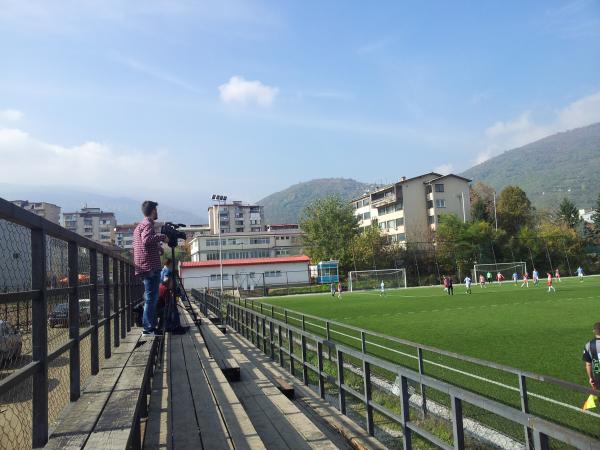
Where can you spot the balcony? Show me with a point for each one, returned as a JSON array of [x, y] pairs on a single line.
[[384, 200]]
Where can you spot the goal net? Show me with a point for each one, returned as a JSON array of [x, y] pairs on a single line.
[[371, 279], [507, 269]]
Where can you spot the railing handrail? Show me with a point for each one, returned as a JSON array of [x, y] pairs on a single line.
[[542, 428]]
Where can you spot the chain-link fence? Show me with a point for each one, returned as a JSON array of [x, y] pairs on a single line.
[[65, 302]]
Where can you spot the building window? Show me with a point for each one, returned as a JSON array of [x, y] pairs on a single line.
[[256, 229], [428, 189], [400, 222], [429, 204], [239, 230], [260, 241], [273, 274], [366, 216], [391, 224], [382, 225], [430, 220], [365, 202], [439, 188], [400, 237], [440, 203], [282, 252], [218, 277]]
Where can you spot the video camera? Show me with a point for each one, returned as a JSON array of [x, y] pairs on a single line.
[[173, 234]]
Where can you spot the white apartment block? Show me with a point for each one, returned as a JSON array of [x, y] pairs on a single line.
[[92, 223], [410, 209], [46, 210], [236, 217], [277, 241]]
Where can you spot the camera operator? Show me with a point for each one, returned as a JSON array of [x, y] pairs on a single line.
[[146, 254]]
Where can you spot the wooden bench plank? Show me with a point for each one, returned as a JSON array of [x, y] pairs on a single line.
[[185, 426], [285, 387], [213, 432]]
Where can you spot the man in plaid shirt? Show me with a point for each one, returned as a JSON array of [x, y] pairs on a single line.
[[146, 256]]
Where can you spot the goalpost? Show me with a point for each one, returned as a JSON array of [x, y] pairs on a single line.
[[371, 279], [507, 269]]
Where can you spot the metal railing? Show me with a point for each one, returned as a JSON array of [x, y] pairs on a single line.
[[65, 280], [289, 345]]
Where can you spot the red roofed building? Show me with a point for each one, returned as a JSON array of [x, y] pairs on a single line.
[[246, 274]]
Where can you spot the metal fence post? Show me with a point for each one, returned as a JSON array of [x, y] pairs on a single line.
[[367, 392], [74, 321], [263, 324], [304, 367], [525, 408], [280, 345], [320, 368], [94, 347], [363, 342], [271, 339], [540, 441], [422, 372], [404, 399], [340, 380], [122, 282], [116, 328], [328, 337], [457, 423], [39, 339], [129, 296], [291, 349], [106, 299]]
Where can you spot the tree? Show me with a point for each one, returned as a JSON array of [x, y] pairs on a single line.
[[596, 219], [329, 226], [482, 202], [370, 249], [568, 214], [514, 209]]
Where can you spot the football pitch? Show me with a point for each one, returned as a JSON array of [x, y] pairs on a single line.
[[525, 328]]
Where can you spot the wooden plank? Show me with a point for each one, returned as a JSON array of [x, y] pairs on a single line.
[[242, 431], [213, 432], [185, 426]]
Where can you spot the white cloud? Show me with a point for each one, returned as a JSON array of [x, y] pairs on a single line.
[[11, 115], [28, 160], [239, 90], [444, 169], [506, 135]]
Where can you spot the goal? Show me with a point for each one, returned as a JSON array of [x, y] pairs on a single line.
[[507, 269], [371, 279]]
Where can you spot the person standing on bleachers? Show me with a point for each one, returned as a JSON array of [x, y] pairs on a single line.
[[146, 255]]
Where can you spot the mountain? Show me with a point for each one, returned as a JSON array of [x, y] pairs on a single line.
[[562, 165], [126, 210], [287, 205]]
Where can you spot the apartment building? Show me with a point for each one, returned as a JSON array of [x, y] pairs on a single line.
[[277, 241], [46, 210], [236, 217], [92, 223], [410, 209]]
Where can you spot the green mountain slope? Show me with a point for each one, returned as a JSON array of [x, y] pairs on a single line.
[[562, 165], [287, 205]]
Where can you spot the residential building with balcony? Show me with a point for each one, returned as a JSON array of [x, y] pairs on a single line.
[[236, 217], [46, 210], [92, 223], [410, 209]]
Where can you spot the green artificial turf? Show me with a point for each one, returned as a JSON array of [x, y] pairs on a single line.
[[524, 328], [529, 329]]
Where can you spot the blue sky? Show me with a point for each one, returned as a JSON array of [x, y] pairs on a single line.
[[247, 97]]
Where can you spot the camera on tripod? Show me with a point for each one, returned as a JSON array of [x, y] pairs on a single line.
[[170, 230]]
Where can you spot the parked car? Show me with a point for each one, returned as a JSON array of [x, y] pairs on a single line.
[[11, 342], [59, 317]]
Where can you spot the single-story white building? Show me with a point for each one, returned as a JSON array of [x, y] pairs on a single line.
[[246, 274]]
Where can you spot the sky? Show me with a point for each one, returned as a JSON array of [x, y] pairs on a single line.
[[176, 100]]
